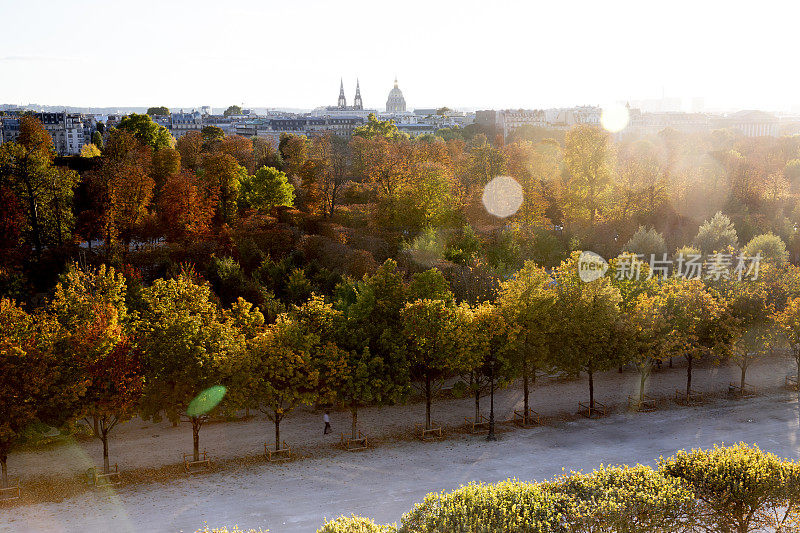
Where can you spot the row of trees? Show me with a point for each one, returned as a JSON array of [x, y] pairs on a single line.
[[107, 347]]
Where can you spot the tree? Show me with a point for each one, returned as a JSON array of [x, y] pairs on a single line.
[[27, 373], [267, 188], [526, 301], [749, 316], [490, 334], [90, 306], [187, 346], [283, 374], [436, 343], [222, 176], [164, 163], [89, 151], [378, 128], [716, 235], [233, 110], [97, 139], [46, 191], [646, 242], [739, 488], [161, 111], [692, 314], [146, 131], [124, 187], [190, 146], [788, 321], [586, 321], [183, 208], [589, 158], [330, 154], [768, 246]]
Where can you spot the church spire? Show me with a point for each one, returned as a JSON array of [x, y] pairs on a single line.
[[342, 99], [357, 103]]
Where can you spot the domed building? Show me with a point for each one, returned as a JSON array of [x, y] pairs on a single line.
[[396, 103]]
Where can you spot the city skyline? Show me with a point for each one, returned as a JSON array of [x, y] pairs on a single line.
[[516, 56]]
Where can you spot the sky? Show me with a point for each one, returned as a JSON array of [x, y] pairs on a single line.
[[461, 54]]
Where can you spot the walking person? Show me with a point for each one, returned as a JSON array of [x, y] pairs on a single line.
[[327, 419]]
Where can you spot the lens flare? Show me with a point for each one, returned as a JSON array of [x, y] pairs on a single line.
[[502, 196], [614, 117], [206, 400]]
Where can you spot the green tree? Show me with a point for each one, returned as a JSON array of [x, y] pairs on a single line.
[[527, 301], [162, 111], [716, 235], [769, 246], [97, 139], [267, 188], [187, 346], [146, 131], [378, 128], [436, 339], [589, 159], [586, 322], [647, 242], [233, 110]]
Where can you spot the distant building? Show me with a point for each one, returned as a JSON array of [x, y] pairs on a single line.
[[182, 123], [69, 131], [395, 103], [341, 109], [751, 123]]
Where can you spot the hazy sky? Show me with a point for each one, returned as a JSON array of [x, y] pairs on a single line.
[[457, 53]]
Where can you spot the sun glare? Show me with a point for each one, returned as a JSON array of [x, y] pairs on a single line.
[[502, 196], [614, 117]]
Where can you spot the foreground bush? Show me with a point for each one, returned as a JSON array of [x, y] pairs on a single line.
[[355, 524], [739, 488], [508, 506]]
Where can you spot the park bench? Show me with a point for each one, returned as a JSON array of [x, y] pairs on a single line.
[[747, 391], [435, 432], [474, 424], [645, 404], [791, 382], [598, 410], [352, 445], [520, 419], [12, 492], [195, 467], [282, 454], [693, 397], [103, 479]]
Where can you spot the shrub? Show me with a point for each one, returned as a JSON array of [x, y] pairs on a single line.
[[355, 524], [739, 488], [508, 506]]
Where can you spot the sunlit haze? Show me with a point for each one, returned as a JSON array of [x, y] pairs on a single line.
[[459, 54]]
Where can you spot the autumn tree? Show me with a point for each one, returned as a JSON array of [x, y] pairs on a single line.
[[788, 321], [331, 156], [586, 323], [222, 176], [527, 301], [183, 208], [589, 159], [90, 306], [27, 373], [190, 146], [749, 317], [187, 346], [436, 344]]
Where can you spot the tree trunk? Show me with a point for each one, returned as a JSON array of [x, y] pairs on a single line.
[[4, 468], [689, 377], [477, 403], [277, 433], [591, 391], [96, 426], [491, 436], [525, 393], [104, 438], [354, 429], [642, 382], [196, 438], [427, 402], [744, 371]]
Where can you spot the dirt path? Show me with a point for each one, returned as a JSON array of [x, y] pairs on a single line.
[[139, 444], [385, 482]]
